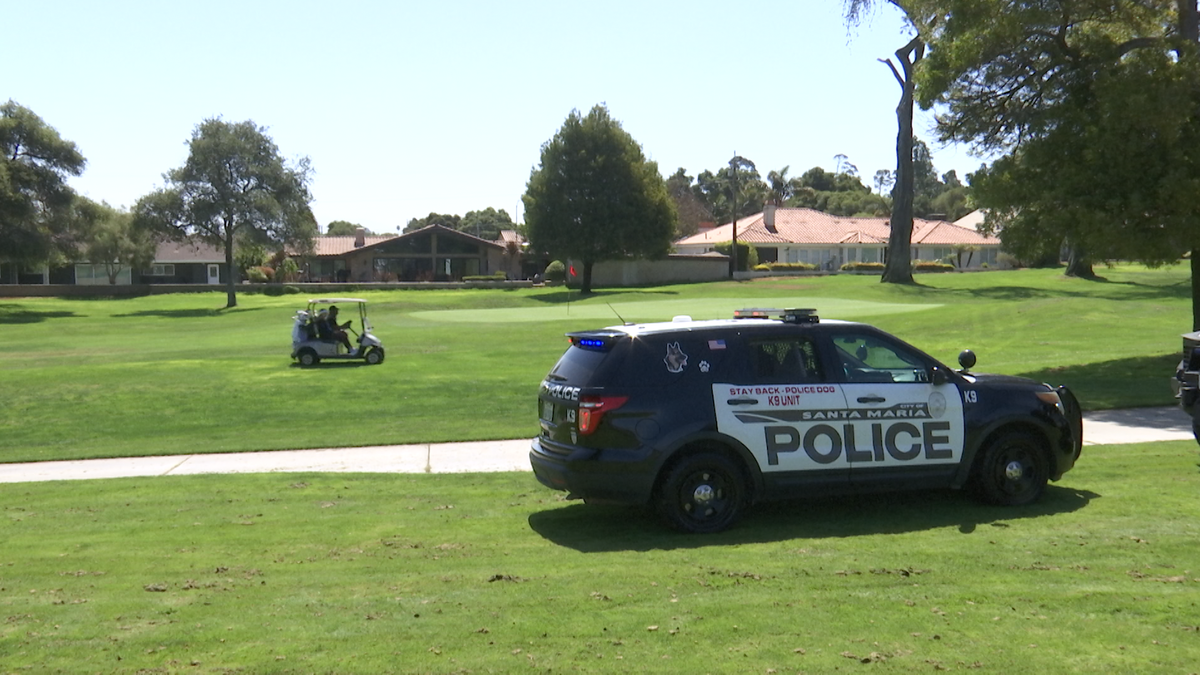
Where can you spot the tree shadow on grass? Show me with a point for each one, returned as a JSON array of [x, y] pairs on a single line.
[[1120, 383], [194, 313], [1116, 290], [596, 529], [562, 296], [16, 313]]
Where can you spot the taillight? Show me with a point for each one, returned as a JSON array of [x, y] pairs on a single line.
[[592, 409]]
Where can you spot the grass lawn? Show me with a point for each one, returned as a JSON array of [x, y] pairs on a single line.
[[491, 573], [179, 374]]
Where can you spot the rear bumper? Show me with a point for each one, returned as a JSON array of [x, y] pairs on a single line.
[[595, 476]]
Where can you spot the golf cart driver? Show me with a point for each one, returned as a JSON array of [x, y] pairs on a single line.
[[329, 328], [317, 335]]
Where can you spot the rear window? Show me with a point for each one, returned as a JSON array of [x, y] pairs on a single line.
[[580, 366]]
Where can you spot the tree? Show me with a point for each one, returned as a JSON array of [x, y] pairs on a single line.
[[486, 224], [233, 188], [113, 240], [443, 219], [898, 268], [782, 187], [884, 180], [690, 209], [717, 190], [342, 228], [596, 197], [36, 218], [1093, 104]]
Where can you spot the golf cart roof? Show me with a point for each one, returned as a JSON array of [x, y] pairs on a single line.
[[333, 301]]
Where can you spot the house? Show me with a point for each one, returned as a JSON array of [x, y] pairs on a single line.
[[432, 253], [827, 241], [175, 262]]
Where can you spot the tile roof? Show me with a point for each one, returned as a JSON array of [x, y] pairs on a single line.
[[339, 245], [806, 226]]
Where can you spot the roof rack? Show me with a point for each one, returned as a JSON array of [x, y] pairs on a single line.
[[785, 315]]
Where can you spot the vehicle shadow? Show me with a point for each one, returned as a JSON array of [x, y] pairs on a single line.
[[331, 363], [597, 529]]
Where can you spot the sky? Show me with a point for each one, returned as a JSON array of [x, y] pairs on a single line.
[[406, 108]]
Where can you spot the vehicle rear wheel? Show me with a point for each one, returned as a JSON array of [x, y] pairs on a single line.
[[1013, 470], [309, 358], [375, 356], [703, 493]]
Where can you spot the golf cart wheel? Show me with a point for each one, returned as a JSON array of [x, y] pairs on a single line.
[[308, 358], [375, 356]]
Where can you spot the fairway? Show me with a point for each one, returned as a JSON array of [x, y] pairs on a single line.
[[665, 310], [178, 373]]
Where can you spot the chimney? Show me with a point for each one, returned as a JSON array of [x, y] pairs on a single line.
[[360, 237], [769, 217]]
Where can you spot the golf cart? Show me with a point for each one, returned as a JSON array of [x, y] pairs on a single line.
[[314, 334]]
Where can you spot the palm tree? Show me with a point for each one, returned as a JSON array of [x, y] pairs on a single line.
[[782, 187]]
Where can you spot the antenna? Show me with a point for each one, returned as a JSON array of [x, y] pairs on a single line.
[[614, 311]]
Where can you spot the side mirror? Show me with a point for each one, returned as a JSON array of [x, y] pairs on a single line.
[[966, 359], [937, 376]]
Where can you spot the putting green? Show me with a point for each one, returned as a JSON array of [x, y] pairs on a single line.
[[665, 310]]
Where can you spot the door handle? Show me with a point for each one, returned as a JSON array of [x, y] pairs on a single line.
[[742, 401], [871, 399]]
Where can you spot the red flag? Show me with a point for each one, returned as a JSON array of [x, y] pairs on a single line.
[[573, 271]]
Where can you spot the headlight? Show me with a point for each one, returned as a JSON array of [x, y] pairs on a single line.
[[1051, 398]]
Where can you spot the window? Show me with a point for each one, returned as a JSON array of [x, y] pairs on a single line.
[[97, 275], [162, 270], [785, 360], [866, 358]]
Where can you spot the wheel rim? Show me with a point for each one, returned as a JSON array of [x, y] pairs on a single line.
[[1016, 471], [705, 496]]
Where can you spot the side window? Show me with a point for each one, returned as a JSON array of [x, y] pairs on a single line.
[[785, 360], [866, 358]]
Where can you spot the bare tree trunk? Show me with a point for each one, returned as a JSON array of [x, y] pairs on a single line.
[[1078, 264], [586, 287], [230, 283], [898, 269], [1189, 30]]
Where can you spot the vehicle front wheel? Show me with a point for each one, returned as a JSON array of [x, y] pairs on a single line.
[[375, 356], [1013, 470], [308, 358], [703, 493]]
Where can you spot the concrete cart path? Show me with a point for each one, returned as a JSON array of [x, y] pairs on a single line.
[[1140, 425]]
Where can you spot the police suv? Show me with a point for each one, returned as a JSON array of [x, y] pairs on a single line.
[[704, 418]]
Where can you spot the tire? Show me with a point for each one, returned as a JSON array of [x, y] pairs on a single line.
[[1013, 471], [308, 358], [375, 356], [704, 493]]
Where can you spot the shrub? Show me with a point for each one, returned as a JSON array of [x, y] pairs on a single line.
[[863, 267], [260, 275], [932, 266], [555, 271], [498, 276], [747, 254], [785, 267], [291, 290]]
